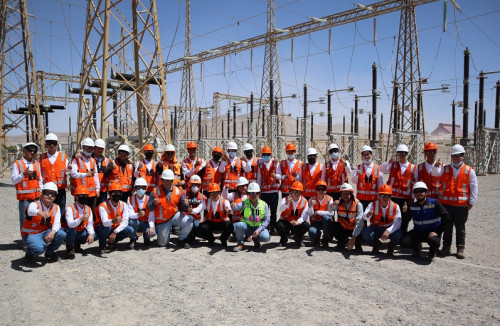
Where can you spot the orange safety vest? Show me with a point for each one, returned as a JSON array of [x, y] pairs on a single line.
[[149, 175], [56, 172], [134, 202], [232, 173], [176, 168], [431, 181], [29, 187], [220, 214], [237, 198], [198, 196], [124, 176], [212, 175], [390, 213], [309, 180], [87, 182], [252, 175], [189, 164], [335, 178], [166, 209], [367, 187], [455, 192], [268, 183], [103, 181], [321, 205], [401, 183], [108, 206], [286, 184], [36, 224], [347, 217], [76, 215], [291, 214]]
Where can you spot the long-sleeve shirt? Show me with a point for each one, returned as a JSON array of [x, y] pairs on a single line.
[[428, 167], [386, 167], [107, 222], [189, 172], [132, 214], [438, 172], [33, 210], [368, 170], [232, 161], [259, 175], [359, 217], [312, 170], [73, 223], [137, 171], [396, 223], [442, 212], [267, 215], [279, 173], [18, 177], [215, 205], [334, 165], [303, 217], [328, 213], [80, 175]]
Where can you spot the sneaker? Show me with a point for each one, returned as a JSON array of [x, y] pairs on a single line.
[[53, 257], [238, 248]]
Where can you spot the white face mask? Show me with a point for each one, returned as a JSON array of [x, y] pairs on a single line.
[[291, 157], [87, 153], [195, 189], [367, 161], [457, 164], [334, 155], [141, 192]]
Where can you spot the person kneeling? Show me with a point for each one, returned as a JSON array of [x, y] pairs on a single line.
[[255, 218]]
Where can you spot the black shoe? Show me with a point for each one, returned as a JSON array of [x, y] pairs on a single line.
[[131, 245], [29, 257], [299, 243], [358, 247], [376, 247], [223, 243], [183, 244], [147, 242], [211, 243], [53, 257], [256, 244], [324, 242], [78, 248], [390, 251], [70, 251]]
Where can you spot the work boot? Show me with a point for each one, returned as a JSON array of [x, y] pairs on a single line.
[[52, 257], [376, 247], [316, 241], [390, 251], [431, 255], [29, 257], [70, 251], [283, 241], [183, 244], [147, 242], [324, 242], [417, 248], [445, 250], [78, 248], [131, 245], [239, 247], [460, 251], [223, 243], [256, 244]]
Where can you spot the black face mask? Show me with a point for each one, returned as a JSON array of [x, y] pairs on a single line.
[[249, 154], [116, 198], [311, 160], [148, 155], [82, 200], [216, 157]]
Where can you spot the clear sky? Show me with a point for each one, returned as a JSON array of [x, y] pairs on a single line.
[[57, 28]]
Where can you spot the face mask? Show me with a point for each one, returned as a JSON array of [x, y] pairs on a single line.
[[457, 164], [116, 198], [81, 200], [311, 160], [87, 153], [141, 192], [367, 161], [216, 157], [232, 154], [149, 156], [266, 158], [334, 155], [249, 154], [195, 189], [291, 157]]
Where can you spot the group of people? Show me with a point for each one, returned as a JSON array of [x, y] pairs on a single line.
[[115, 199]]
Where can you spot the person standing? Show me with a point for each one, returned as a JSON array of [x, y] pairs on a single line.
[[293, 216], [192, 164], [104, 169], [231, 167], [337, 170], [268, 183], [210, 173], [424, 169], [458, 193], [123, 172], [146, 169], [367, 177], [251, 162], [311, 172], [84, 173], [169, 161], [288, 170]]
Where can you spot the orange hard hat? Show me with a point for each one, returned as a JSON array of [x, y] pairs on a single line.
[[297, 185], [385, 189], [81, 190], [149, 147], [290, 147], [266, 150], [218, 150], [114, 186], [191, 144], [430, 146], [213, 187], [321, 183]]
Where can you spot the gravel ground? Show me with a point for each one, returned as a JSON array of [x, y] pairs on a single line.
[[277, 286]]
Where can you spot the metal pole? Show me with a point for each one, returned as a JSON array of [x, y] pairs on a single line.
[[199, 124], [228, 124], [419, 109], [453, 121], [222, 129], [497, 105], [356, 114], [369, 125], [242, 128], [329, 103], [374, 106], [352, 121], [271, 97], [263, 122], [343, 124], [475, 122], [465, 135], [382, 123], [312, 123], [396, 112], [46, 122], [481, 100], [94, 114], [297, 126], [115, 115], [234, 120]]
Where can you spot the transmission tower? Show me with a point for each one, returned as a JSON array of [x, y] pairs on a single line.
[[407, 118]]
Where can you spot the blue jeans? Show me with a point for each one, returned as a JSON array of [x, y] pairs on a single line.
[[185, 222], [22, 205], [80, 237], [242, 230], [324, 224], [374, 232], [140, 227], [37, 246], [104, 232]]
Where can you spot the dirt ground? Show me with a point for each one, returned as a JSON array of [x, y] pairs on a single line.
[[307, 286]]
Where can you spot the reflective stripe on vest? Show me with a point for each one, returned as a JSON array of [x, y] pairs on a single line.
[[455, 192], [347, 217], [220, 215], [291, 214], [367, 189], [335, 178], [286, 184], [36, 224], [29, 187], [249, 213], [59, 178], [321, 205], [381, 220]]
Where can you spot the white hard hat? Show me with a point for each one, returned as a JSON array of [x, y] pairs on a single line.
[[170, 148], [346, 187], [241, 181], [402, 148], [311, 151], [88, 142], [31, 144], [51, 136], [457, 149], [366, 148], [195, 178], [247, 147], [100, 143], [167, 175], [140, 182], [50, 186], [232, 145], [124, 148], [253, 187], [332, 146], [420, 185]]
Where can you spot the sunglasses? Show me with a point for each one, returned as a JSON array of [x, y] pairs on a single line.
[[333, 151], [49, 193], [384, 196], [430, 152], [402, 153], [31, 150], [458, 155], [298, 192], [84, 197], [169, 153], [122, 153], [51, 143], [213, 193], [419, 191], [320, 189], [148, 152]]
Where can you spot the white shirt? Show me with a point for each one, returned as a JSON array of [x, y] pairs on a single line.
[[33, 211], [189, 173], [386, 167], [137, 171], [132, 214], [291, 164], [438, 172], [311, 211], [73, 223], [80, 175], [232, 161], [215, 205], [427, 166], [312, 170], [259, 175], [396, 224], [334, 165], [18, 177], [368, 171], [107, 222], [303, 217]]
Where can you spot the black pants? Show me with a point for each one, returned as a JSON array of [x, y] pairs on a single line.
[[272, 200], [61, 202], [207, 228], [405, 216], [458, 217], [284, 226], [334, 195], [414, 238], [342, 234]]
